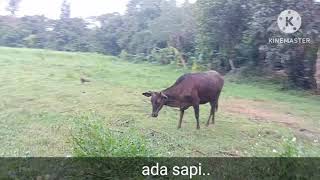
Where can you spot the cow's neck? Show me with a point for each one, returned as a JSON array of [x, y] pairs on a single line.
[[173, 96]]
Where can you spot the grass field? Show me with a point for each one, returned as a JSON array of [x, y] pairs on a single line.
[[42, 99]]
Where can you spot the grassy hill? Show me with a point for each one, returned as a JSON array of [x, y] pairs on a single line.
[[42, 100]]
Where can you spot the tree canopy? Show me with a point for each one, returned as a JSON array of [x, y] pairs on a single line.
[[223, 35]]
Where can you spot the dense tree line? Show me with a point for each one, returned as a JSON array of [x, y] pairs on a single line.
[[211, 34]]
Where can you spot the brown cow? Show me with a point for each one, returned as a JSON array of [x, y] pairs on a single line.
[[190, 90]]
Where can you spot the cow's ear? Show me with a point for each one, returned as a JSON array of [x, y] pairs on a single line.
[[147, 94], [163, 95]]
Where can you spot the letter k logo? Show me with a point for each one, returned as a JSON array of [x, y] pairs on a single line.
[[288, 21]]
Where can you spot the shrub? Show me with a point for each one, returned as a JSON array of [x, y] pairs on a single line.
[[91, 139], [124, 55], [165, 55], [290, 148], [196, 67]]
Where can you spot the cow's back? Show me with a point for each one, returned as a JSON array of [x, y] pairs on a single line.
[[205, 85]]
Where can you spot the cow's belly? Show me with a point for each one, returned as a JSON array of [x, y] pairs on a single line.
[[208, 96], [204, 102]]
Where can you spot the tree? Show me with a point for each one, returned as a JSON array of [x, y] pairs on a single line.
[[175, 27], [296, 60], [136, 23], [211, 34], [35, 28], [65, 10], [108, 35], [220, 31], [317, 72], [13, 6], [70, 35]]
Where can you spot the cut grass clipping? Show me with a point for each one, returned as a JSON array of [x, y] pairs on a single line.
[[91, 139]]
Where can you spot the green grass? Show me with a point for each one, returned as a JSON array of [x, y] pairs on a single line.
[[91, 139], [42, 99]]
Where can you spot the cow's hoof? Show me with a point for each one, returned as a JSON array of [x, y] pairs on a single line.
[[207, 125], [198, 128]]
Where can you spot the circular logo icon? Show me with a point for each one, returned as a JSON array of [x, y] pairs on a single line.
[[289, 21]]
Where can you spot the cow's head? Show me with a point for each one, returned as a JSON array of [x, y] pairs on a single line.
[[158, 100]]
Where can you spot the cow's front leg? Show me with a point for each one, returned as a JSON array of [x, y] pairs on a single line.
[[196, 113], [181, 117]]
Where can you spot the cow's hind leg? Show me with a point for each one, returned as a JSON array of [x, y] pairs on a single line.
[[196, 113], [211, 113], [214, 107]]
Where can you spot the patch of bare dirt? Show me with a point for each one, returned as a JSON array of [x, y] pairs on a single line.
[[263, 111]]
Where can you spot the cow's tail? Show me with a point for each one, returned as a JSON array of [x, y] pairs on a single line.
[[217, 106], [217, 102]]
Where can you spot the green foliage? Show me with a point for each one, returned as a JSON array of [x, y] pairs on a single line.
[[91, 139], [290, 148], [297, 61], [125, 56], [220, 31], [70, 35], [220, 35], [175, 27], [164, 56], [197, 67], [228, 40], [106, 39]]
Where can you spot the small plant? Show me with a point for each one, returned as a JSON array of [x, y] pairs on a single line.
[[196, 67], [290, 148], [91, 139], [125, 55], [165, 56]]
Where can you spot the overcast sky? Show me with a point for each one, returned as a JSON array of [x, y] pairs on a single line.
[[79, 8]]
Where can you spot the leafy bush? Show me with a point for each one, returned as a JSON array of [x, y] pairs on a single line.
[[290, 148], [125, 55], [196, 67], [164, 56], [91, 139]]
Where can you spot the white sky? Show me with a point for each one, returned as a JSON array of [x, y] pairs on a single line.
[[79, 8]]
